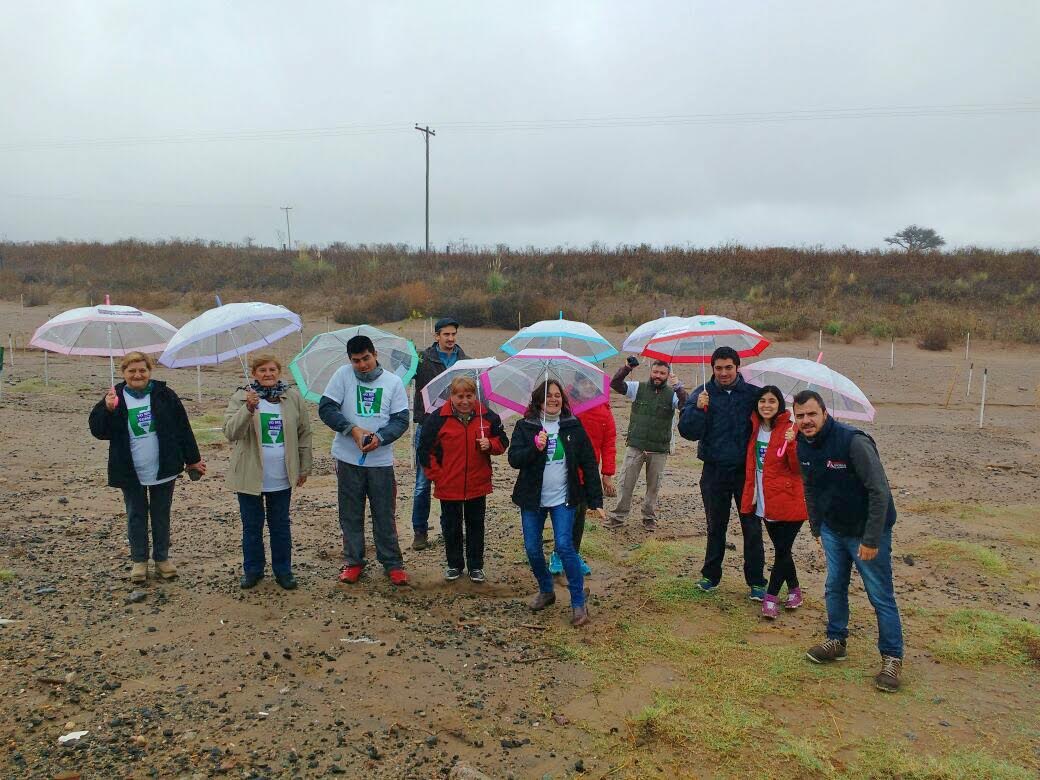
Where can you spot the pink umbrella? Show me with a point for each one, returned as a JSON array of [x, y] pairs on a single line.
[[512, 381]]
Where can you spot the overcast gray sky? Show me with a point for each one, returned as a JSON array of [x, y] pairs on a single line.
[[200, 119]]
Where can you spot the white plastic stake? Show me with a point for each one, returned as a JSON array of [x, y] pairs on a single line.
[[10, 349], [892, 355], [971, 370], [982, 406], [198, 383], [967, 346], [821, 341], [46, 373]]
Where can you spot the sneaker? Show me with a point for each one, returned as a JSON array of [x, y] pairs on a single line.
[[249, 581], [585, 570], [579, 616], [706, 585], [758, 592], [350, 574], [887, 679], [541, 601], [477, 575], [828, 650], [139, 571], [555, 564], [649, 524], [166, 569], [286, 581], [420, 542], [794, 598], [770, 607], [398, 576], [451, 574], [613, 523]]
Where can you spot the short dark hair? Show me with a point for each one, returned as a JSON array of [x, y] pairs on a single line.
[[772, 390], [725, 353], [805, 396], [659, 362], [359, 345]]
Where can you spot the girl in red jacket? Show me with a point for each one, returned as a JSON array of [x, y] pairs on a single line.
[[773, 492], [455, 450]]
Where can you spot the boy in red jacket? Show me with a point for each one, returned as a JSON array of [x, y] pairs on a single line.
[[455, 450]]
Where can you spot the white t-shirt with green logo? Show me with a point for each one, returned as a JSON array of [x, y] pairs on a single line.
[[554, 478], [144, 442], [369, 405], [761, 446], [272, 446]]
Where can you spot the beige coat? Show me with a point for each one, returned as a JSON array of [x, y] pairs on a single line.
[[242, 429]]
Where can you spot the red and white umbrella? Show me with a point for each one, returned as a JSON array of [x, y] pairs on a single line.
[[698, 337]]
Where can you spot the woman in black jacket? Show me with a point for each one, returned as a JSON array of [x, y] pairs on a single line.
[[150, 440], [558, 471]]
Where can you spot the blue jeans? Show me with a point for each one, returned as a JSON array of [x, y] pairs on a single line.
[[252, 509], [842, 553], [421, 496], [562, 516]]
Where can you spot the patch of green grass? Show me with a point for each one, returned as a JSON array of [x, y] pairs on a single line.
[[806, 753], [34, 385], [676, 591], [977, 636], [595, 547], [6, 575], [208, 428], [966, 552], [658, 557], [882, 759]]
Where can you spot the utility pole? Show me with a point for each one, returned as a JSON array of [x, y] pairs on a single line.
[[427, 132], [288, 230]]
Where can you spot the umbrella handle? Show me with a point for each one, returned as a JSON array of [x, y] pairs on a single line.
[[783, 448]]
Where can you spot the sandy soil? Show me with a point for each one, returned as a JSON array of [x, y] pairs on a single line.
[[200, 678]]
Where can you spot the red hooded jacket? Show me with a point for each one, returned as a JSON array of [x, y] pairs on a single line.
[[599, 426], [781, 477], [450, 456]]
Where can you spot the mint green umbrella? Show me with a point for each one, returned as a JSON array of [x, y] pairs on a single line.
[[326, 352]]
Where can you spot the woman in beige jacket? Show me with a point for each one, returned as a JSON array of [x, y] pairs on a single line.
[[270, 427]]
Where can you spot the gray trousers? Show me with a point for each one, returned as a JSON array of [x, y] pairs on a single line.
[[377, 484], [633, 464]]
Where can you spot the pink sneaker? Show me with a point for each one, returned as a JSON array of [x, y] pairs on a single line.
[[794, 599], [770, 607]]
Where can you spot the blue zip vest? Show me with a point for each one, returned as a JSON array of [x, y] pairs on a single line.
[[840, 497]]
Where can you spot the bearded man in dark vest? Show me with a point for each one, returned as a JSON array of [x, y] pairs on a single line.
[[649, 435], [851, 514]]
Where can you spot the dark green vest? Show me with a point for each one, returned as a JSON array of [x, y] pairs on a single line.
[[650, 426]]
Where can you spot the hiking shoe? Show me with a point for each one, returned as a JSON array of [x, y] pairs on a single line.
[[398, 576], [887, 679], [249, 581], [828, 650], [579, 616], [613, 523], [286, 581], [139, 571], [649, 524], [452, 573], [770, 607], [166, 569], [477, 575], [585, 570], [757, 593], [706, 585], [555, 564], [350, 574], [421, 541], [794, 598], [541, 601]]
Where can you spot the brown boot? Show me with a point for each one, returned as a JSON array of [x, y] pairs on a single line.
[[579, 616], [541, 601], [139, 571], [887, 679], [166, 569], [828, 650], [421, 541]]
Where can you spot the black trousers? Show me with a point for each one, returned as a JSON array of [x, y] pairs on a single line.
[[783, 534], [721, 486], [455, 514]]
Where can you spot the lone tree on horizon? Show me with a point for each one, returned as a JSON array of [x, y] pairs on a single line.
[[915, 239]]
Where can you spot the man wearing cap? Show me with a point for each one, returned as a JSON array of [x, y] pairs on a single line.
[[433, 360]]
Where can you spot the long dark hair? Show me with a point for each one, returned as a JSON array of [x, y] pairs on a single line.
[[775, 391], [534, 409]]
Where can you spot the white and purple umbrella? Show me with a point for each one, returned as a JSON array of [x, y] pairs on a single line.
[[512, 381], [792, 375]]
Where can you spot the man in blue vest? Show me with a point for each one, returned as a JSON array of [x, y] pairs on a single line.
[[851, 514], [718, 417]]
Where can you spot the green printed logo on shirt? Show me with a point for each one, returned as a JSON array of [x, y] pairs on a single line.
[[554, 448], [140, 421], [271, 433], [369, 401], [760, 453]]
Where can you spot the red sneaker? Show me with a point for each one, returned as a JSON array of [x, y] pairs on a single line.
[[398, 576], [350, 574]]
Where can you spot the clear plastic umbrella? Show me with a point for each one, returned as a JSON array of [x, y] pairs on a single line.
[[512, 381], [229, 331], [696, 338], [435, 393], [326, 352], [576, 338], [640, 337], [792, 375], [108, 331]]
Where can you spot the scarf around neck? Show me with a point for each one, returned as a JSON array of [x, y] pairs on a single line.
[[369, 376], [139, 394], [270, 394]]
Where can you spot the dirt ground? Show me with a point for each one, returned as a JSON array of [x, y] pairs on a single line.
[[200, 679]]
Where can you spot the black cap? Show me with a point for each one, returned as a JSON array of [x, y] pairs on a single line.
[[444, 322]]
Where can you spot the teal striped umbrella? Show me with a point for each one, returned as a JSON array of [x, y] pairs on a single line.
[[326, 352]]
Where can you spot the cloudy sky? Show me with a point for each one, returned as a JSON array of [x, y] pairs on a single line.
[[766, 123]]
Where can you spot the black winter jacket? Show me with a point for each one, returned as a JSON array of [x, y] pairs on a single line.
[[583, 482], [177, 445], [722, 432], [429, 366]]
